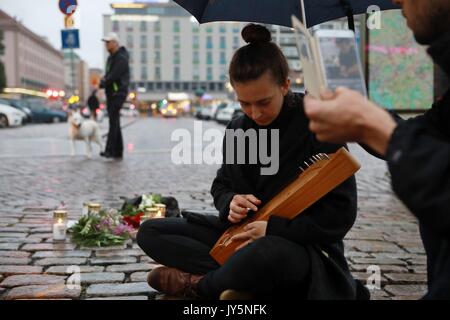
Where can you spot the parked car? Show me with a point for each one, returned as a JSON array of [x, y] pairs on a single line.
[[19, 105], [169, 112], [226, 114], [219, 108], [10, 117], [129, 110], [41, 113]]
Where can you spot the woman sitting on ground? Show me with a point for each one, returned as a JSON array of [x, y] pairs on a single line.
[[299, 258]]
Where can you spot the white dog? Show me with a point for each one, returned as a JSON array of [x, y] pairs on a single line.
[[86, 130]]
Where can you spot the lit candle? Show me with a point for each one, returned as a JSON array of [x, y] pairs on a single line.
[[161, 210], [59, 225]]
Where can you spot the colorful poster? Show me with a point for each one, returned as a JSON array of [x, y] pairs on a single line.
[[400, 71]]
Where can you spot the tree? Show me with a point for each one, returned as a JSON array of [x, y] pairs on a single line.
[[2, 67]]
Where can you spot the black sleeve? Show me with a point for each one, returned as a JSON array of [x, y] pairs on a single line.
[[419, 163], [221, 187], [117, 70], [368, 149], [327, 221]]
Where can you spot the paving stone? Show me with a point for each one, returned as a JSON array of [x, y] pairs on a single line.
[[406, 290], [130, 267], [68, 270], [374, 246], [133, 298], [112, 260], [48, 246], [14, 229], [41, 235], [110, 290], [147, 259], [20, 240], [379, 261], [418, 269], [407, 278], [119, 253], [27, 280], [62, 254], [100, 277], [122, 247], [407, 298], [9, 246], [14, 261], [364, 277], [57, 291], [41, 230], [12, 270], [139, 277], [383, 268], [13, 235], [60, 261], [14, 254], [8, 221]]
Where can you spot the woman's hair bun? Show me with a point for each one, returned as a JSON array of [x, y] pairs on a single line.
[[255, 33]]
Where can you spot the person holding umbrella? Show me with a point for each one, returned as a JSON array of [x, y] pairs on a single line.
[[302, 258], [417, 151], [115, 83]]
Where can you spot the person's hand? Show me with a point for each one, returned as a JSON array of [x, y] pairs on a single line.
[[348, 116], [252, 232], [240, 205]]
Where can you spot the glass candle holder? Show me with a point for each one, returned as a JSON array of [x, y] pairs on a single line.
[[85, 211], [150, 213], [161, 210], [59, 225], [94, 208]]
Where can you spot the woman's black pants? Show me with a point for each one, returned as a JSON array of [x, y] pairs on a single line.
[[270, 267]]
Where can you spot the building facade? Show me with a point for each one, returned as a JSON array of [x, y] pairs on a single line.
[[76, 75], [31, 63], [171, 52]]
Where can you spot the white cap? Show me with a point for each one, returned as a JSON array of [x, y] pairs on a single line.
[[111, 37]]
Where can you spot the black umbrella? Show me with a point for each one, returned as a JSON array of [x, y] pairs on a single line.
[[278, 12]]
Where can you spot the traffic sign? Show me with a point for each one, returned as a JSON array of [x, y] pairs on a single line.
[[69, 22], [68, 7], [70, 39]]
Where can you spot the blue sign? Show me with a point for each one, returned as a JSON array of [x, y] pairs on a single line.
[[70, 39], [68, 7]]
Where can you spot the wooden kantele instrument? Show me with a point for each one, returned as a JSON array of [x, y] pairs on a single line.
[[322, 174]]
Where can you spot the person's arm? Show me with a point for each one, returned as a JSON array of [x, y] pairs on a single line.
[[222, 193], [419, 163], [118, 69]]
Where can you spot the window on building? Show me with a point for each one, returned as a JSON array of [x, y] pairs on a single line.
[[176, 26], [143, 41], [195, 27], [157, 26], [196, 42], [209, 74], [130, 27], [235, 43], [196, 73], [157, 42], [223, 58], [144, 57], [176, 57], [143, 26], [209, 57], [157, 57], [130, 54], [223, 42], [130, 42], [176, 73], [144, 75], [176, 42], [157, 73], [209, 29], [116, 26], [196, 57], [222, 29], [159, 86], [209, 42]]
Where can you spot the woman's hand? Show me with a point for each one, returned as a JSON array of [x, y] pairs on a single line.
[[252, 232], [240, 206]]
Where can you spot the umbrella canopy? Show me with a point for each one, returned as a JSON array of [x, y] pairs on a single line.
[[278, 12]]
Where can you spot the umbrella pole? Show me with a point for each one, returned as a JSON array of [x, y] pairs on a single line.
[[302, 5]]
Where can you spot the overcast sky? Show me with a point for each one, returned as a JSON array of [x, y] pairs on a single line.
[[44, 18]]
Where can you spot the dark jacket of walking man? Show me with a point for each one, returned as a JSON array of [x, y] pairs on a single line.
[[115, 83], [417, 151]]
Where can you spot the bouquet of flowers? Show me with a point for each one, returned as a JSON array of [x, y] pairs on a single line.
[[102, 230], [132, 213]]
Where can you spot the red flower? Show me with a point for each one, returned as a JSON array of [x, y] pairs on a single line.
[[134, 221]]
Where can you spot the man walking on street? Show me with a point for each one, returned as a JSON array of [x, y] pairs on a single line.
[[115, 83]]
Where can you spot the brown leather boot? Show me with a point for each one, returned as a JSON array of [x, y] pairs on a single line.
[[174, 282]]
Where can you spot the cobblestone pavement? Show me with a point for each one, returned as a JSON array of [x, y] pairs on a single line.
[[36, 174]]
